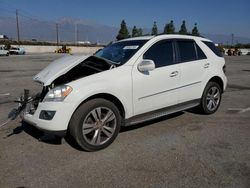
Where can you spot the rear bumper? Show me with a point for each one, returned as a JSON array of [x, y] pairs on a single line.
[[224, 83]]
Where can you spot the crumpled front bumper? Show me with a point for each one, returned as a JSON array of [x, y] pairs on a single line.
[[58, 124]]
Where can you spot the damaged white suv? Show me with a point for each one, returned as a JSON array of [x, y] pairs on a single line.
[[128, 82]]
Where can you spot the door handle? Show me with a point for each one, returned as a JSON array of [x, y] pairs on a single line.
[[175, 73], [206, 65]]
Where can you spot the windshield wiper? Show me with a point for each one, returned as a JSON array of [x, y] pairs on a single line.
[[112, 66]]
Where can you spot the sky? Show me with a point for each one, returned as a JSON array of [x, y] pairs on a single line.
[[212, 16]]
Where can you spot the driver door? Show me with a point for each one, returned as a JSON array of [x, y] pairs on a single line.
[[156, 89]]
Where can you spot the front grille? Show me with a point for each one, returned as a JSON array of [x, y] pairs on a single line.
[[30, 108], [33, 104]]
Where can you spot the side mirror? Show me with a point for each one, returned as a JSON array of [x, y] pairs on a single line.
[[146, 65]]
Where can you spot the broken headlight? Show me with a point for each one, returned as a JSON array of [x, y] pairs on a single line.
[[58, 93]]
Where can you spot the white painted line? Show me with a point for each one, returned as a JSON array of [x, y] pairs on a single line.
[[234, 109], [245, 110], [239, 110], [4, 94]]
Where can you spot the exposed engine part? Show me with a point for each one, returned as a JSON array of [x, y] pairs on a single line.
[[28, 104], [89, 66]]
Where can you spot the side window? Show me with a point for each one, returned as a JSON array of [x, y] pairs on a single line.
[[186, 50], [200, 53], [213, 48], [161, 53]]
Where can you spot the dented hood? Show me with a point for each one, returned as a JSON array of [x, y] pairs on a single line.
[[58, 68]]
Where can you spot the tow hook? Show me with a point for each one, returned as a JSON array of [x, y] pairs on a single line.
[[22, 103]]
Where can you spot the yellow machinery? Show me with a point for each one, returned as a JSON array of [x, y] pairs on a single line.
[[234, 52], [63, 49]]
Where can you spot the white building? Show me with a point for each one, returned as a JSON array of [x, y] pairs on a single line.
[[3, 37], [83, 42]]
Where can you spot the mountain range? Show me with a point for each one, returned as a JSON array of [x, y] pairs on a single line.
[[70, 30]]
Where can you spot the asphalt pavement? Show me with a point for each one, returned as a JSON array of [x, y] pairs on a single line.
[[181, 150]]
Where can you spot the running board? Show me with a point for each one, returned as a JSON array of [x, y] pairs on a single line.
[[161, 112]]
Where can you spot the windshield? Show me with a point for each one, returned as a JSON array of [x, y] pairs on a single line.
[[121, 52]]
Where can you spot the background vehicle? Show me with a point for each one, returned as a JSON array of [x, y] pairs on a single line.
[[63, 49], [128, 82], [3, 51], [17, 50]]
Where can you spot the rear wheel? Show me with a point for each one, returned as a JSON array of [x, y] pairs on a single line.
[[211, 98], [95, 124]]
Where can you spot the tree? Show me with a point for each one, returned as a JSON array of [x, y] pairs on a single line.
[[123, 32], [140, 32], [166, 29], [169, 28], [154, 29], [195, 30], [183, 29], [135, 32]]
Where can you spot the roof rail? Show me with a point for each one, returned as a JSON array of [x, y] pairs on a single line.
[[188, 34]]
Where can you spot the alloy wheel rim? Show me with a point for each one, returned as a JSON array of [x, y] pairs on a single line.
[[99, 126], [213, 98]]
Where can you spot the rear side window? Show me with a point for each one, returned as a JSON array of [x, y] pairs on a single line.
[[161, 53], [213, 48], [200, 53], [186, 50]]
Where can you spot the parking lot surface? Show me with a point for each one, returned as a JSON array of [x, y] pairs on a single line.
[[181, 150]]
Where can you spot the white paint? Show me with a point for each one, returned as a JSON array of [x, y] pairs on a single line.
[[158, 88], [245, 110], [4, 94], [239, 110], [3, 51]]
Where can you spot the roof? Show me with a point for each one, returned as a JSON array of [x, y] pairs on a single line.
[[170, 36], [139, 38]]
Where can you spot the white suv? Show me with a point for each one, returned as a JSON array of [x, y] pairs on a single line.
[[128, 82]]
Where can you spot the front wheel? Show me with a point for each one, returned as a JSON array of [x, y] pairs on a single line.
[[95, 124], [211, 98]]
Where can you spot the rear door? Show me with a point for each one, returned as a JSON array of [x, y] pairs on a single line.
[[193, 68]]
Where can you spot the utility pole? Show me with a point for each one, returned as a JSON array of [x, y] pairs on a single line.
[[17, 26], [57, 37], [232, 39], [76, 33], [87, 35]]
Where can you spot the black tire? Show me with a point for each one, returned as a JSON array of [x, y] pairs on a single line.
[[85, 113], [7, 54], [204, 106]]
